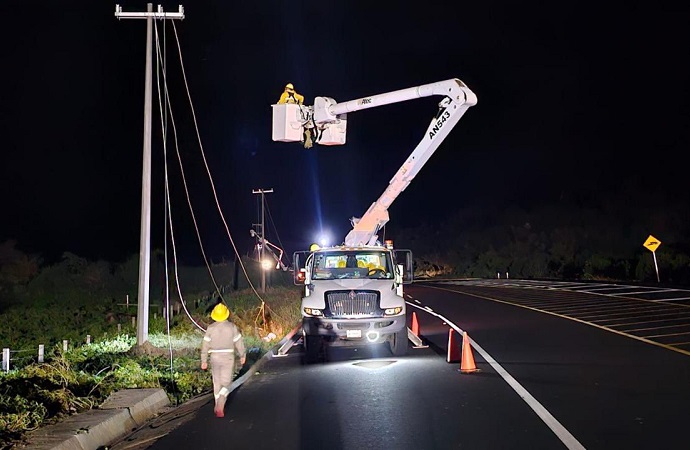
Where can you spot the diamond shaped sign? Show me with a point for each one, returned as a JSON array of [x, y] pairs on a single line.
[[652, 243]]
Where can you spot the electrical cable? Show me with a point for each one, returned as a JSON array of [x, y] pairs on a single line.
[[167, 194], [167, 108], [164, 130], [210, 177], [270, 219]]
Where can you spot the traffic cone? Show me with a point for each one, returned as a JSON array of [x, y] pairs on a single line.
[[453, 347], [415, 324], [467, 365]]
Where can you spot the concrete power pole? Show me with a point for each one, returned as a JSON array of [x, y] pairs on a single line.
[[145, 240], [263, 236]]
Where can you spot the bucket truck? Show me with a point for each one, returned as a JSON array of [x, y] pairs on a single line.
[[353, 293]]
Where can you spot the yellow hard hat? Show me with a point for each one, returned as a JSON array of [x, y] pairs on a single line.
[[220, 312], [289, 87]]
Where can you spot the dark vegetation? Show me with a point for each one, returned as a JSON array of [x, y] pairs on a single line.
[[563, 241]]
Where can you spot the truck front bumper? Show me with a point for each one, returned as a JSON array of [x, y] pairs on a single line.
[[354, 331]]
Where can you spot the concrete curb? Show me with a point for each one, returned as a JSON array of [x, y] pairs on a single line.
[[120, 413]]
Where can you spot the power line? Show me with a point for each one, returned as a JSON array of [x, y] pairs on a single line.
[[262, 234]]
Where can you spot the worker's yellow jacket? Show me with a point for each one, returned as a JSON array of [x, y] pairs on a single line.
[[291, 97]]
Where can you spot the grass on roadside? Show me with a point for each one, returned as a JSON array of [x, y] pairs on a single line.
[[81, 378]]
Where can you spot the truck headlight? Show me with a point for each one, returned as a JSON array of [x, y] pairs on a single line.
[[392, 311], [313, 312]]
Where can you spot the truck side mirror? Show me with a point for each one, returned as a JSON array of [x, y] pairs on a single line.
[[299, 275], [407, 268]]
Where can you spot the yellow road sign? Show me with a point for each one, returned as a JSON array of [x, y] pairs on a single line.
[[652, 243]]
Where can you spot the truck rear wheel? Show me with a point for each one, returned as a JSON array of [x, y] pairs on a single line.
[[312, 348], [398, 343]]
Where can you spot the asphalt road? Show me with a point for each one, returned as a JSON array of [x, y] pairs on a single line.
[[546, 382]]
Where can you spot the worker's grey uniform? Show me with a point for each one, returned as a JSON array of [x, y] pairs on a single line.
[[222, 341]]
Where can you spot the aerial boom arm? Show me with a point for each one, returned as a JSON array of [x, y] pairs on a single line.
[[457, 99], [326, 109]]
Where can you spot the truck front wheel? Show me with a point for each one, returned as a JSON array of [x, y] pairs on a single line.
[[312, 348], [398, 343]]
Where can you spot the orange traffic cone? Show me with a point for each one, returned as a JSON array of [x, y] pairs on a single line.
[[415, 324], [453, 347], [467, 365]]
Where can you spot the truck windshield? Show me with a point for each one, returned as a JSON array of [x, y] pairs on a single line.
[[352, 264]]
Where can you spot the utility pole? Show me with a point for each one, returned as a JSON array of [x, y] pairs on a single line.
[[145, 239], [263, 237]]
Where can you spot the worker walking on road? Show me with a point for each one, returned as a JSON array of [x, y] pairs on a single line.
[[221, 343]]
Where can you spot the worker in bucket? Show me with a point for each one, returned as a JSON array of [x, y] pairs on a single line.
[[222, 341], [289, 95]]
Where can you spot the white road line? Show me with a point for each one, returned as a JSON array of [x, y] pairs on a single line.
[[559, 430], [586, 288]]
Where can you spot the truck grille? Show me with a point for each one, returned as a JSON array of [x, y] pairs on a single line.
[[352, 304]]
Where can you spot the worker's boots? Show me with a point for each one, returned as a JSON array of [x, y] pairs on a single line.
[[219, 409]]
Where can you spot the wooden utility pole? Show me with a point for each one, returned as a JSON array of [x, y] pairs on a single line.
[[262, 236], [145, 239]]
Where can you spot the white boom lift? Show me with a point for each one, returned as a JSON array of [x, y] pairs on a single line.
[[327, 119], [353, 293]]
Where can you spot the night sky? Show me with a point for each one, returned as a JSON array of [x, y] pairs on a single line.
[[578, 96]]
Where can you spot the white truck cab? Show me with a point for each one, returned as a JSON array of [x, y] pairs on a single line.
[[353, 296]]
